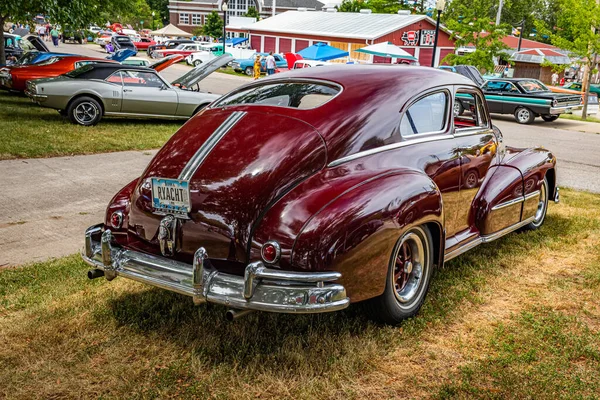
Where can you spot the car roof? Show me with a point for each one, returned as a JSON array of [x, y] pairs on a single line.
[[369, 106], [104, 70]]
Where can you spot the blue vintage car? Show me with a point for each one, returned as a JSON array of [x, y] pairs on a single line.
[[247, 65]]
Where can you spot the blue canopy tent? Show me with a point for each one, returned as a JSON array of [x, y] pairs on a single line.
[[322, 52], [234, 41]]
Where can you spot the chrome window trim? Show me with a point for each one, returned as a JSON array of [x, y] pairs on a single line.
[[360, 154], [448, 94], [281, 80]]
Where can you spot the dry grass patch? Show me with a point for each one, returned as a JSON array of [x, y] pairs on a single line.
[[66, 337]]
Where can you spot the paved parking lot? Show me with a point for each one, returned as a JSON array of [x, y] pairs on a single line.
[[48, 203]]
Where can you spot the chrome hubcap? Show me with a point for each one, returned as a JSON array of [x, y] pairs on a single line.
[[523, 115], [541, 210], [85, 113], [408, 268]]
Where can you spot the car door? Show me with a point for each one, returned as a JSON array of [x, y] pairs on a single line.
[[428, 119], [494, 91], [144, 92], [476, 147], [512, 98]]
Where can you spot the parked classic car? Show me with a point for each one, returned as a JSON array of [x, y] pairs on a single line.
[[526, 99], [123, 42], [74, 35], [14, 78], [168, 44], [184, 49], [579, 87], [304, 192], [247, 65], [88, 93], [16, 46], [143, 43]]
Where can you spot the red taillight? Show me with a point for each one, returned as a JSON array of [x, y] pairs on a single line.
[[116, 219], [270, 252]]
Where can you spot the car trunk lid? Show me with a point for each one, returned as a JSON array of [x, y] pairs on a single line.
[[238, 164]]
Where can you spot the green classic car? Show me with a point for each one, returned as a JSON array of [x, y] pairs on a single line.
[[579, 87], [524, 98]]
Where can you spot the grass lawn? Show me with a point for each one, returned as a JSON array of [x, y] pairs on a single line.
[[231, 71], [578, 118], [28, 130], [518, 318]]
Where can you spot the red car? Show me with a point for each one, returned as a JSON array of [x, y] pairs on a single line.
[[14, 78], [143, 43], [305, 192]]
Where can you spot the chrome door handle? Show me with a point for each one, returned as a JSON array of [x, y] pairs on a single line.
[[127, 90]]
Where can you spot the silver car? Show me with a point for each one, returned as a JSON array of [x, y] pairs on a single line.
[[88, 93]]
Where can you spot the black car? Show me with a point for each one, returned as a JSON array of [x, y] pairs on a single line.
[[15, 47], [168, 44], [123, 42]]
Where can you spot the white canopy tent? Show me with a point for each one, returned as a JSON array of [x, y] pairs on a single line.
[[170, 30], [387, 49]]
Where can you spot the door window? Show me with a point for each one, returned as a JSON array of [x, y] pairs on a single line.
[[142, 79], [469, 111], [426, 115], [115, 78], [500, 87]]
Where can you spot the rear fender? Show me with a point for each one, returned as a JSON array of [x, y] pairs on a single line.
[[356, 232]]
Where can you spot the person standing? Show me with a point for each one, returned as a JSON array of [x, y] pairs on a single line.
[[42, 32], [257, 67], [48, 32], [54, 35], [554, 79], [270, 63]]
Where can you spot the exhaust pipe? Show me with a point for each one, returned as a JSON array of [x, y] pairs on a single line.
[[232, 315], [95, 273]]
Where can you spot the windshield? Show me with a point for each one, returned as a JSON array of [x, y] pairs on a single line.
[[27, 58], [301, 95], [79, 71], [533, 86], [49, 61], [180, 46]]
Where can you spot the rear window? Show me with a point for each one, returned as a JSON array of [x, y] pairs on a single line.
[[123, 39], [301, 95], [76, 73], [533, 86]]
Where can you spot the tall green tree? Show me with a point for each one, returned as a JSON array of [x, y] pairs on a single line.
[[161, 7], [378, 6], [75, 13], [483, 35], [252, 13], [213, 25], [577, 30]]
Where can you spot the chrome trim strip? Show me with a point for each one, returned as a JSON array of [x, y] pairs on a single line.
[[120, 114], [532, 194], [508, 203], [486, 239], [505, 231], [194, 163], [392, 146], [266, 289]]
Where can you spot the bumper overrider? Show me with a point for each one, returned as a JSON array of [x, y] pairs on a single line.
[[261, 288]]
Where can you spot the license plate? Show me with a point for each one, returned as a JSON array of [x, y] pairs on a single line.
[[171, 196]]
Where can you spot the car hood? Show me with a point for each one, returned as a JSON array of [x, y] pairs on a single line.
[[37, 43], [233, 180], [202, 71], [166, 62], [121, 55]]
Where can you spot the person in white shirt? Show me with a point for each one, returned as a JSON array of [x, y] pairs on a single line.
[[554, 79], [271, 65]]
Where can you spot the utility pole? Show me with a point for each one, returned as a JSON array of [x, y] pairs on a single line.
[[499, 13], [521, 34]]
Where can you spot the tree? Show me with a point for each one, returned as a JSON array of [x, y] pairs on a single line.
[[576, 30], [252, 13], [483, 35], [75, 13], [213, 25], [162, 9], [377, 6]]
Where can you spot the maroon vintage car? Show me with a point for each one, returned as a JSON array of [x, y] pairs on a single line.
[[321, 187]]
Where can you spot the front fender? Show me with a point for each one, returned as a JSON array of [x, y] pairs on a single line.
[[356, 232]]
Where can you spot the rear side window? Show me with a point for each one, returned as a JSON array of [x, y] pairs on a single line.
[[426, 115], [302, 95], [468, 110]]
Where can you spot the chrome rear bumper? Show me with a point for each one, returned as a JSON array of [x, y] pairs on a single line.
[[260, 288]]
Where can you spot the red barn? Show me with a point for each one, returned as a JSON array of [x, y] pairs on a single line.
[[292, 31]]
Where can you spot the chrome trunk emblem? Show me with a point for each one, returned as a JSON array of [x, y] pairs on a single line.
[[167, 235]]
